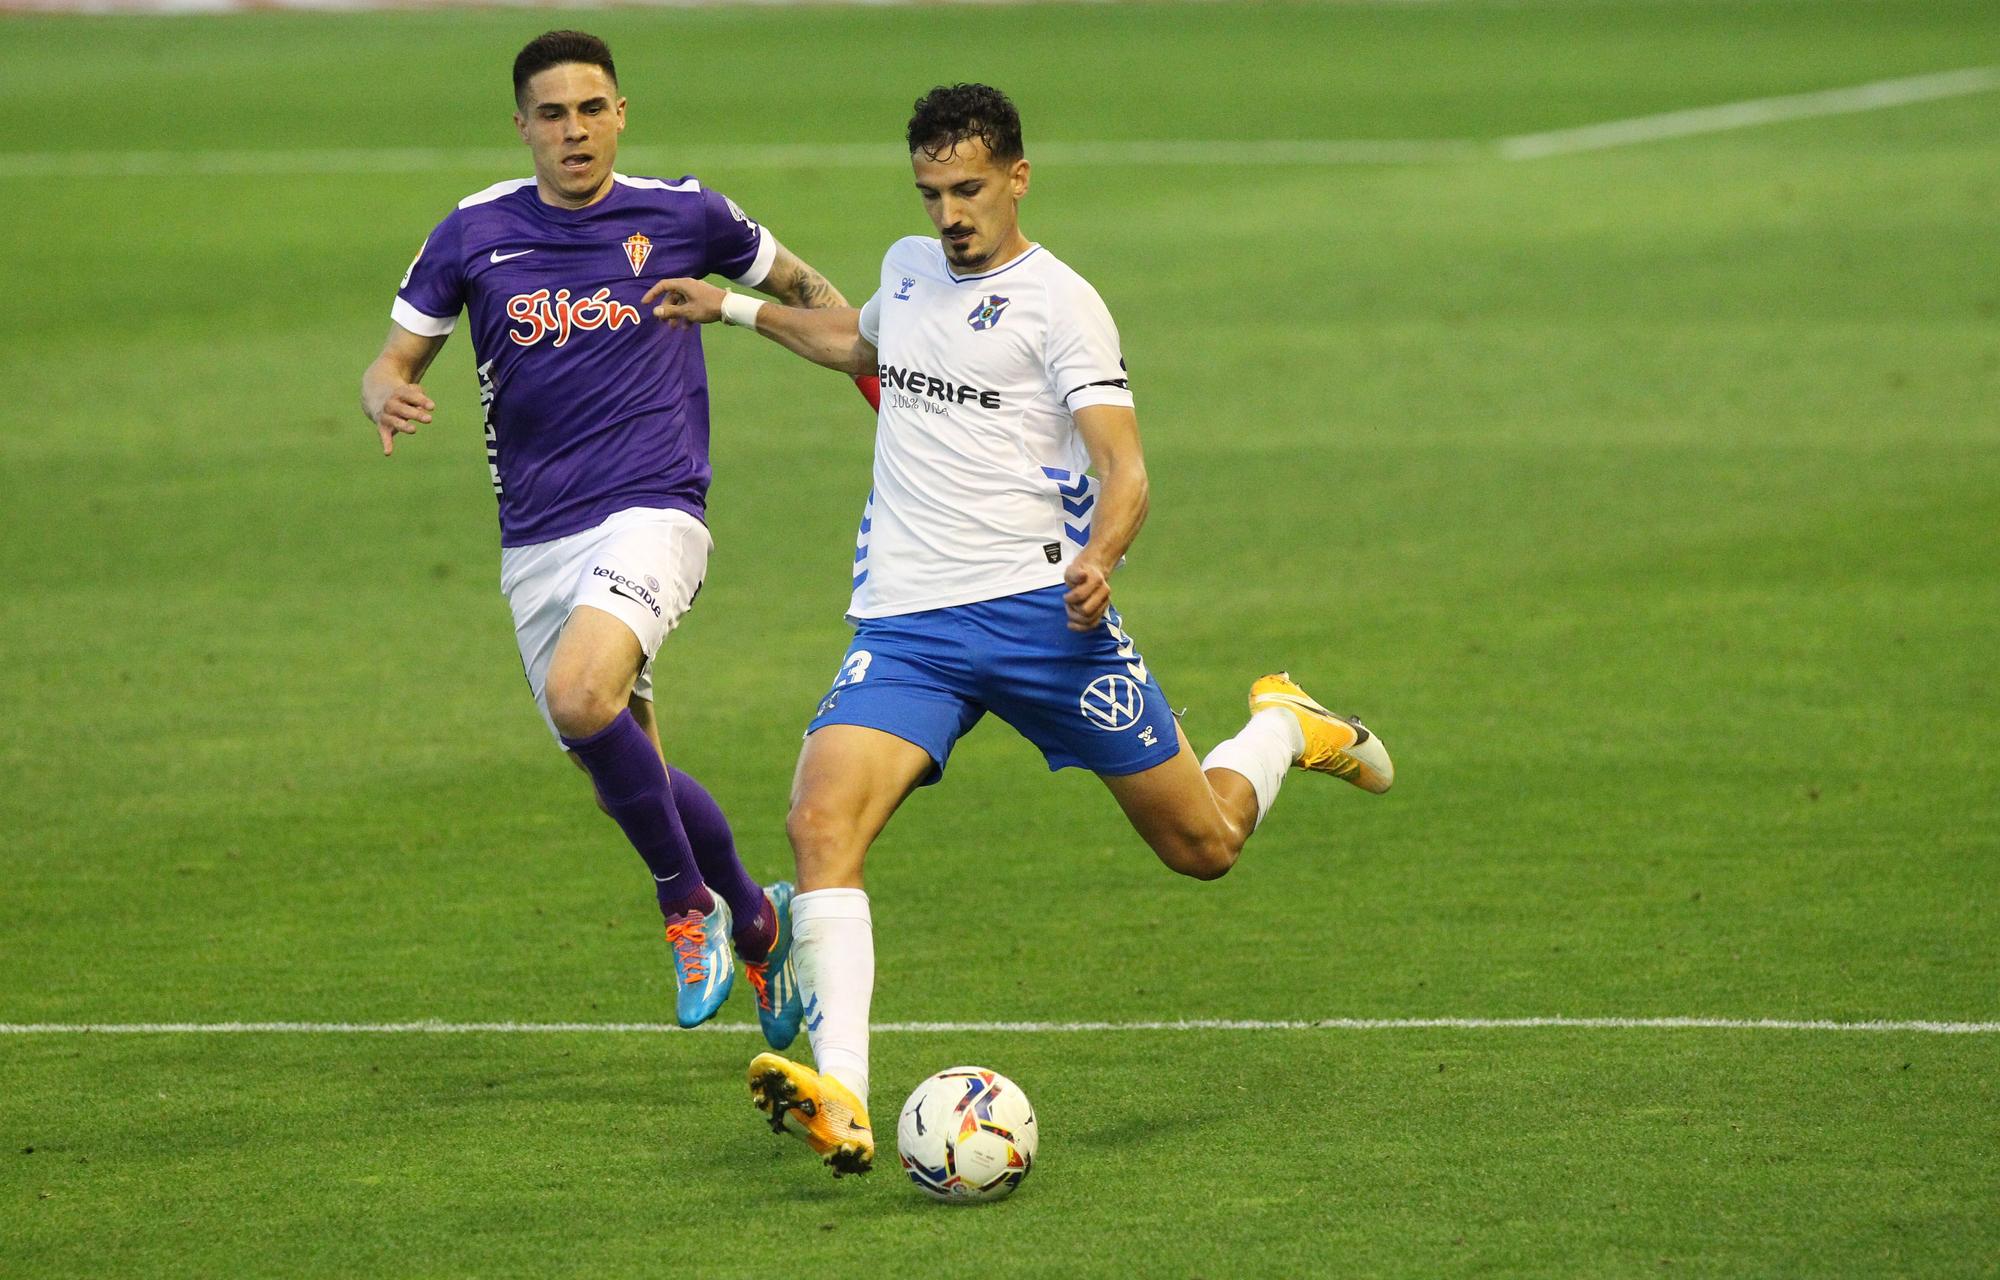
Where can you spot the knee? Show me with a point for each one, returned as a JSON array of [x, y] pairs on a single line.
[[579, 710], [1202, 856], [826, 844]]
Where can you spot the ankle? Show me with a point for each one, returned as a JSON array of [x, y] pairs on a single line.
[[755, 939], [678, 902]]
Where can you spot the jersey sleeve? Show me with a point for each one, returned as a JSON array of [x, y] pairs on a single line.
[[871, 319], [433, 289], [1084, 364], [737, 247]]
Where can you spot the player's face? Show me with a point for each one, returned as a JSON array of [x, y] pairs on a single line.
[[570, 116], [974, 202]]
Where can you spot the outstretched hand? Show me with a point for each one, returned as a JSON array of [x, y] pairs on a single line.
[[685, 303], [399, 415], [1089, 594]]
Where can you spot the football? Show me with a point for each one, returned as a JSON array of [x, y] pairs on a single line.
[[967, 1135]]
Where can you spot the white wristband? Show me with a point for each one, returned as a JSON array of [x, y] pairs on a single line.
[[740, 309]]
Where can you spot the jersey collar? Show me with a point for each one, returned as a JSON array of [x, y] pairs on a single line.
[[1033, 249]]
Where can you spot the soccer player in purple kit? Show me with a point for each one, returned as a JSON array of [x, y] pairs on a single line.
[[596, 422]]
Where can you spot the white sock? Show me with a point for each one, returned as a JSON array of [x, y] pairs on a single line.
[[1262, 752], [833, 951]]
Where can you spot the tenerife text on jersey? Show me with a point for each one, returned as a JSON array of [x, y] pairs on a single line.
[[936, 388]]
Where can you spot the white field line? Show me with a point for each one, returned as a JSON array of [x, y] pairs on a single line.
[[1924, 1027], [1873, 96], [1183, 152]]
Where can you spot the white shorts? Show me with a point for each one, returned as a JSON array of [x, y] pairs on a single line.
[[642, 565]]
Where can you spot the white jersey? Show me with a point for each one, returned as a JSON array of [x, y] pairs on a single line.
[[980, 489]]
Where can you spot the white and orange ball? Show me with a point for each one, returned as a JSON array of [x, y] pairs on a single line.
[[967, 1135]]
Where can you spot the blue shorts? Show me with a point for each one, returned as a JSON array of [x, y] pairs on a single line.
[[1084, 697]]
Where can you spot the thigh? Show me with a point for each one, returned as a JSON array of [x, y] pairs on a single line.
[[641, 568], [597, 653], [909, 678], [1172, 806], [535, 581], [850, 780], [644, 568]]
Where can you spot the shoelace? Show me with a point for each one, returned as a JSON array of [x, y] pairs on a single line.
[[759, 973], [688, 939]]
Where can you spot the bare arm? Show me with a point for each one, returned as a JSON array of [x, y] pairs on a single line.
[[829, 336], [1111, 434], [795, 284], [391, 394]]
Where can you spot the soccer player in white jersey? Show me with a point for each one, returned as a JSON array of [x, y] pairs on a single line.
[[982, 582], [597, 440]]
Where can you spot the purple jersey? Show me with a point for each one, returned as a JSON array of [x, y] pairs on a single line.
[[592, 406]]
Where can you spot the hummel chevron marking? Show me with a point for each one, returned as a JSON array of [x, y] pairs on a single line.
[[1081, 537], [1079, 508], [1081, 487], [1128, 649]]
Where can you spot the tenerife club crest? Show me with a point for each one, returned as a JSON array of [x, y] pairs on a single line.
[[987, 314], [637, 249]]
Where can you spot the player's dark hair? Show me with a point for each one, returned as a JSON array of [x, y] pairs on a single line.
[[553, 48], [951, 113]]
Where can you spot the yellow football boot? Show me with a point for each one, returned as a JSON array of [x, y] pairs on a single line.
[[1335, 744], [828, 1118]]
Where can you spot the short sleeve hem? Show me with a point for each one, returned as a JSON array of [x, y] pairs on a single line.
[[426, 326], [760, 266], [870, 323], [1084, 397]]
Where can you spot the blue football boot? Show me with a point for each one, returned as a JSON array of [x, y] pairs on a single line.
[[779, 1008], [704, 962]]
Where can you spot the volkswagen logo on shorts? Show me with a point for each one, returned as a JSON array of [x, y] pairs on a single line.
[[1113, 702]]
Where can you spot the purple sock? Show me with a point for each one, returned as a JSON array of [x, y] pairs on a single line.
[[715, 852], [633, 785]]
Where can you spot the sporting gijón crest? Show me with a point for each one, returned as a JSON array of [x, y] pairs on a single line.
[[637, 249], [987, 313]]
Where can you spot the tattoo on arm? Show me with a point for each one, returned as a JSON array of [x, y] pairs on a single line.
[[811, 291], [795, 284]]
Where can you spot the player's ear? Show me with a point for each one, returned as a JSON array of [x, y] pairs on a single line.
[[621, 115], [1019, 177], [521, 125]]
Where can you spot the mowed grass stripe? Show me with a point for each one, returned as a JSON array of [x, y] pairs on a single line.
[[1920, 1026], [1196, 152], [362, 161]]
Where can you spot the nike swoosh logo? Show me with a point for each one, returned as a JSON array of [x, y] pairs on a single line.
[[497, 257]]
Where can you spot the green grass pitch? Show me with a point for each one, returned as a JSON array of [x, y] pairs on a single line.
[[1647, 501]]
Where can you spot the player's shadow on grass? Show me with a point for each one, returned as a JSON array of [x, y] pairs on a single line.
[[1135, 1129]]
